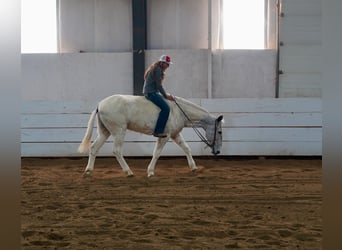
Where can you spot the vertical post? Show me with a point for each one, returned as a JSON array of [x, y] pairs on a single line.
[[209, 52], [278, 71], [139, 44], [58, 11]]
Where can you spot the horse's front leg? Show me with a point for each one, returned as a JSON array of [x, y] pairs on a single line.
[[179, 140], [156, 154]]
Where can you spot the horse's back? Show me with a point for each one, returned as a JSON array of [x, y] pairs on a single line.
[[121, 103], [118, 99], [133, 112]]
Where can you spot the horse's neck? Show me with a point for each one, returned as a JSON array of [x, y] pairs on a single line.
[[195, 115]]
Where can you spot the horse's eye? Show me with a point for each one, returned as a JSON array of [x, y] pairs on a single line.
[[220, 132]]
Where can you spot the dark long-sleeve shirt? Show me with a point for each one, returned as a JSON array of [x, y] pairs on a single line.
[[153, 83]]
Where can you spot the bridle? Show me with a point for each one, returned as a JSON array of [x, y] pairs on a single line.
[[202, 137]]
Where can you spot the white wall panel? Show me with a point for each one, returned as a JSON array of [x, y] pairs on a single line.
[[92, 76], [76, 76], [170, 149], [177, 24], [302, 7], [300, 54], [95, 26], [244, 73], [76, 26]]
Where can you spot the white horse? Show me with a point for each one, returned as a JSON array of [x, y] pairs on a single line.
[[117, 113]]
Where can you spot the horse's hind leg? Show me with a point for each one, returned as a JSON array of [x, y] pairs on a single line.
[[179, 140], [94, 148], [119, 137], [156, 154]]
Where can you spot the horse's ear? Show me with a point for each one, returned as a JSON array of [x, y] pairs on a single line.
[[220, 118]]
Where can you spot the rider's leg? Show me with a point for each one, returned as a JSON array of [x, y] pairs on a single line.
[[160, 101]]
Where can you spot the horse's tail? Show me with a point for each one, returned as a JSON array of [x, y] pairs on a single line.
[[87, 137]]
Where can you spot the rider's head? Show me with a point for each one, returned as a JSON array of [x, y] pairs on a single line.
[[165, 60]]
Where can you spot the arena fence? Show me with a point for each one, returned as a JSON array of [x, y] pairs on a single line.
[[261, 127]]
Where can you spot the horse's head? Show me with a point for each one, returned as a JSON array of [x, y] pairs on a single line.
[[214, 135]]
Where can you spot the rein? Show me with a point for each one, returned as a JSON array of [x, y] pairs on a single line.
[[202, 137]]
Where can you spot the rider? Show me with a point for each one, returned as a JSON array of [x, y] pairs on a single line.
[[153, 90]]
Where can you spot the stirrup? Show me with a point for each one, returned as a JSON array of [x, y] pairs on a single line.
[[161, 135]]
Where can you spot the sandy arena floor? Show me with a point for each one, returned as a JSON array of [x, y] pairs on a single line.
[[227, 204]]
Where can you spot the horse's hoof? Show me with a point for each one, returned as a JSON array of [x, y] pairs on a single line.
[[150, 175], [197, 170], [129, 173], [86, 174]]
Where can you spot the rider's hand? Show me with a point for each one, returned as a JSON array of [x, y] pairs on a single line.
[[170, 97]]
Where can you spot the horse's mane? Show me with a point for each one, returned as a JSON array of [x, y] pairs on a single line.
[[183, 102]]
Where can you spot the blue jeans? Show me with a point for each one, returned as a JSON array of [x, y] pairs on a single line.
[[160, 101]]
